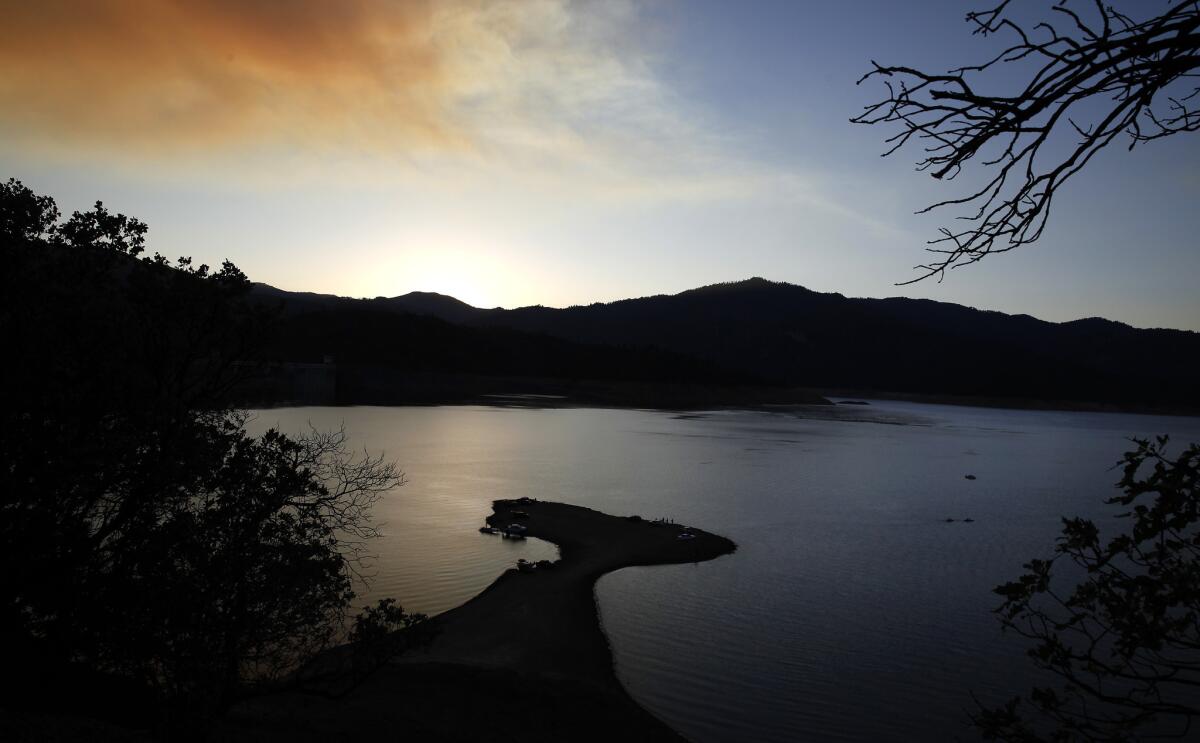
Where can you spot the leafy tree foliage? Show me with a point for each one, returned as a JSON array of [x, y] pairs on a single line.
[[379, 632], [144, 533], [1125, 641], [380, 622]]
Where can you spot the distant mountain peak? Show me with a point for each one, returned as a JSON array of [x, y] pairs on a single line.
[[442, 306], [752, 283], [1097, 322], [430, 295]]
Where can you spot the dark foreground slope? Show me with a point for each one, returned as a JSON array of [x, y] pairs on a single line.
[[526, 660]]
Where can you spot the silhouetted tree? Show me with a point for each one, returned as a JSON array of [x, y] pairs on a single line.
[[145, 535], [1125, 640], [1091, 73], [379, 633]]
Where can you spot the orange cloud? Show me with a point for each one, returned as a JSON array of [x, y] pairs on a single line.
[[553, 96], [169, 74]]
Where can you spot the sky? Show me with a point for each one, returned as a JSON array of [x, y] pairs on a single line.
[[519, 152]]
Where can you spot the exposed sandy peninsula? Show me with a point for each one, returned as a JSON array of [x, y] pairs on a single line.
[[526, 660]]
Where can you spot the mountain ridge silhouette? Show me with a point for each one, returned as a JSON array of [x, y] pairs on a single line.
[[787, 335]]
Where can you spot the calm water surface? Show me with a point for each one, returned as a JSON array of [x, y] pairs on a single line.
[[851, 610]]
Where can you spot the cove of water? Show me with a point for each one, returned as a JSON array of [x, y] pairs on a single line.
[[851, 611]]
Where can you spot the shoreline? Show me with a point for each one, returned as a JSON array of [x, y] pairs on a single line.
[[1185, 410], [826, 398], [349, 384], [527, 654]]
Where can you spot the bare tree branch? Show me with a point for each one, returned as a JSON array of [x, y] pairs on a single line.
[[1103, 68]]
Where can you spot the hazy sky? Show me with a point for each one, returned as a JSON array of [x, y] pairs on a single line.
[[553, 152]]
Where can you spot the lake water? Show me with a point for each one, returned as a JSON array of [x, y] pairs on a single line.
[[851, 610]]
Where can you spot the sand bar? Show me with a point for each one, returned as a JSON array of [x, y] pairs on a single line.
[[524, 660]]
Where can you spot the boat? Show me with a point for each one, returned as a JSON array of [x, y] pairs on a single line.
[[488, 529], [517, 528], [686, 535]]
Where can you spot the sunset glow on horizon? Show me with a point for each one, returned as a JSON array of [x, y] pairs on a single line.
[[550, 152]]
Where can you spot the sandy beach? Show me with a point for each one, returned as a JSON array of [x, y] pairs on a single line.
[[524, 660]]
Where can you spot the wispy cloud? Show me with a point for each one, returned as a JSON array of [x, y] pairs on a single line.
[[529, 82], [555, 98]]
